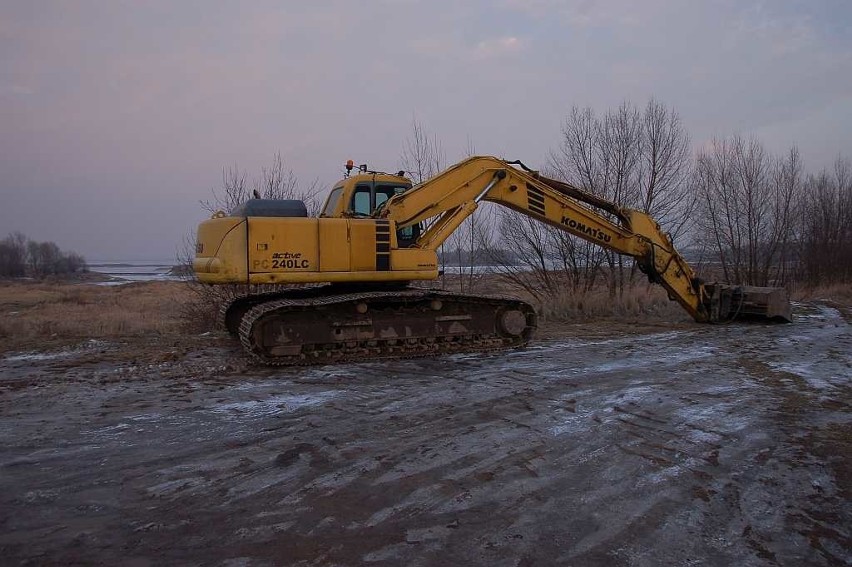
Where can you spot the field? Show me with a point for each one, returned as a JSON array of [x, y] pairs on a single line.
[[128, 436]]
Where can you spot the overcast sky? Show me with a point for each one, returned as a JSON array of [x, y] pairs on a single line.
[[117, 117]]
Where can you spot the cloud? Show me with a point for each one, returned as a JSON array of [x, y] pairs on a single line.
[[142, 103], [16, 90], [496, 47], [583, 13]]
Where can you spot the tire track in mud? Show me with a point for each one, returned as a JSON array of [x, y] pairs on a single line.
[[808, 378], [530, 459], [435, 489], [653, 449]]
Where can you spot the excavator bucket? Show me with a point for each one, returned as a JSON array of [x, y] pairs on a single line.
[[730, 302]]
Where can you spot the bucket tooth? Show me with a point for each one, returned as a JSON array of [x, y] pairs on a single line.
[[730, 302]]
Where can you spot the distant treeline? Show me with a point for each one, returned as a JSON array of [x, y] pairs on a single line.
[[20, 256]]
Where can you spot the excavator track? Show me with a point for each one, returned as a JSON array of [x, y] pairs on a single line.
[[231, 313], [372, 325]]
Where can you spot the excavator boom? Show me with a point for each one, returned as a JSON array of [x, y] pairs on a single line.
[[452, 196]]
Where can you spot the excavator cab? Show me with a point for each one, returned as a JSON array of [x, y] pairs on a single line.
[[361, 195], [364, 195]]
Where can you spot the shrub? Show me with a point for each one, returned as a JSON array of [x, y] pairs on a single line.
[[20, 257]]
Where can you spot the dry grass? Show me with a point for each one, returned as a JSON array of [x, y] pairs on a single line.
[[837, 293], [34, 313], [641, 301]]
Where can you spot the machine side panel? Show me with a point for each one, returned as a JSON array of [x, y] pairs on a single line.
[[334, 245], [283, 244], [362, 245], [415, 260]]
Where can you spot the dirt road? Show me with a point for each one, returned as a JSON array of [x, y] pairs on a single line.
[[700, 445]]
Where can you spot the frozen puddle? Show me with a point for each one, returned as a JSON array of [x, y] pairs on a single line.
[[651, 360], [819, 378], [37, 356], [273, 405], [817, 312], [655, 338], [65, 353]]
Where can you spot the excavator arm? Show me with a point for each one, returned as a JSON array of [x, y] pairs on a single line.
[[453, 195]]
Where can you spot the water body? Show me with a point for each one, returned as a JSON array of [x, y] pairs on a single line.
[[125, 271]]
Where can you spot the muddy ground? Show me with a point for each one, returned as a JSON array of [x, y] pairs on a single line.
[[604, 444]]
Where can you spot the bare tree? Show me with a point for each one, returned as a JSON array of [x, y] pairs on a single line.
[[578, 160], [13, 255], [747, 208], [422, 155], [233, 191], [422, 158], [787, 184], [464, 240], [619, 145], [72, 263], [20, 256], [530, 268], [826, 226], [279, 182], [634, 159], [665, 169], [275, 182]]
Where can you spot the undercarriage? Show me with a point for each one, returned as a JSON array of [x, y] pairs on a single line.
[[314, 326]]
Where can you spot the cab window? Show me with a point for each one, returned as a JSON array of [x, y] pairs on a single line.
[[361, 200], [331, 202], [367, 198], [385, 192]]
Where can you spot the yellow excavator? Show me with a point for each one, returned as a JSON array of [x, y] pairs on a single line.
[[376, 233]]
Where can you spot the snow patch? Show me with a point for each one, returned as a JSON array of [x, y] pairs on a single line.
[[33, 356], [700, 436], [635, 394], [805, 370], [802, 369], [652, 359], [275, 404], [37, 356], [665, 474], [655, 338], [721, 417], [569, 425], [819, 312]]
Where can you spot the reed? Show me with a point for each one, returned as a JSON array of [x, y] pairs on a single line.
[[35, 312]]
